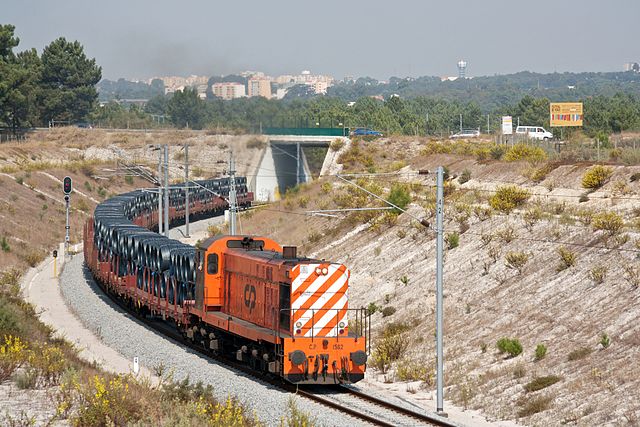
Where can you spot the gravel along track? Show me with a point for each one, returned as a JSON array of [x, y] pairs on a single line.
[[121, 331]]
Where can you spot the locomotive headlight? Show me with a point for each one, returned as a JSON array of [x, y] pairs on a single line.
[[325, 271], [298, 324], [318, 271], [342, 325]]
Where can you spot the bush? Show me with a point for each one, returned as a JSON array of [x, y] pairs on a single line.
[[391, 346], [465, 176], [128, 179], [635, 177], [336, 144], [596, 176], [372, 308], [516, 261], [538, 175], [213, 230], [326, 187], [511, 346], [4, 245], [508, 197], [597, 274], [388, 311], [525, 152], [13, 354], [541, 382], [578, 354], [605, 341], [452, 239], [531, 217], [82, 205], [400, 196], [497, 151], [256, 143], [535, 405], [610, 222], [567, 259], [541, 351], [412, 370], [33, 257]]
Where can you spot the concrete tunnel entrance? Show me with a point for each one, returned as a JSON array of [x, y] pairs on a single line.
[[287, 162]]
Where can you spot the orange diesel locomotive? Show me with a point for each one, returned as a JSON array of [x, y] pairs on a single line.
[[244, 296]]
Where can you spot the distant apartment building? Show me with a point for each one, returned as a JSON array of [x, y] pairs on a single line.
[[259, 87], [229, 90], [319, 83], [176, 83]]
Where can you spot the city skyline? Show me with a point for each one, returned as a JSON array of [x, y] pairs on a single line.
[[132, 40]]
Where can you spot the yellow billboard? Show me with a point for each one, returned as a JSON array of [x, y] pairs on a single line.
[[565, 114]]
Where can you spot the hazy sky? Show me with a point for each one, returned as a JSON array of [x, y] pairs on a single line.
[[140, 39]]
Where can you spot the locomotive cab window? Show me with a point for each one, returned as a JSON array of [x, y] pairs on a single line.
[[212, 263]]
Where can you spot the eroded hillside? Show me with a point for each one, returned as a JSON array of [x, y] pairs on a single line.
[[554, 267]]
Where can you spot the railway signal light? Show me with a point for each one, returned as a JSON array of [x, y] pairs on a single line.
[[66, 185]]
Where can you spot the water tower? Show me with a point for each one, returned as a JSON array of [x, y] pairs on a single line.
[[462, 68]]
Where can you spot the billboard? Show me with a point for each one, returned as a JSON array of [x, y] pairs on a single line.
[[507, 125], [565, 114]]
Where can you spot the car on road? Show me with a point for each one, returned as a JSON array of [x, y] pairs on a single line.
[[466, 133], [365, 132], [534, 132]]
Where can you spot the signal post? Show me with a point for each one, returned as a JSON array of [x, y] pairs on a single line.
[[67, 188]]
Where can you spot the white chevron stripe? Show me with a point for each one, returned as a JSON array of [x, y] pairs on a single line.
[[330, 314], [301, 299], [326, 296]]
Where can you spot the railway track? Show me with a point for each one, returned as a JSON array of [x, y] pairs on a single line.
[[347, 400]]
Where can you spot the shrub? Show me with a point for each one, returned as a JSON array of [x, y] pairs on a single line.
[[508, 197], [535, 405], [465, 176], [303, 201], [404, 279], [525, 152], [519, 371], [497, 151], [610, 222], [541, 382], [516, 261], [388, 311], [4, 245], [578, 354], [541, 351], [296, 417], [391, 346], [531, 217], [483, 213], [632, 275], [567, 259], [48, 365], [412, 370], [33, 257], [511, 346], [596, 176], [326, 187], [605, 341], [452, 239], [635, 177], [82, 205], [583, 198], [213, 230], [256, 143], [538, 175], [372, 308], [336, 144], [597, 274], [13, 354], [128, 179], [400, 196]]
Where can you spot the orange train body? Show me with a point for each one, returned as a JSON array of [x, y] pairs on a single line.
[[248, 296]]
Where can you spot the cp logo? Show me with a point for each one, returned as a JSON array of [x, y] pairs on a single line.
[[250, 297]]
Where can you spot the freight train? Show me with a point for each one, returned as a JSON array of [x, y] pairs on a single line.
[[241, 296]]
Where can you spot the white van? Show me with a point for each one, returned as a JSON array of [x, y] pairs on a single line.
[[534, 132]]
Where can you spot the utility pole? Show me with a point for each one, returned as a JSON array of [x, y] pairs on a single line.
[[297, 163], [426, 131], [460, 122], [439, 293], [166, 190], [487, 123], [186, 189], [160, 193], [232, 195]]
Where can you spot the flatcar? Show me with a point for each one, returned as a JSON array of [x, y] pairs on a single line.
[[242, 296]]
